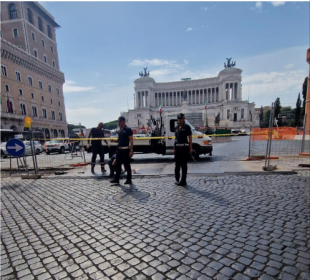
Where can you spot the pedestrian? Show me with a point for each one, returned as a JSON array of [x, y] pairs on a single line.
[[182, 149], [208, 131], [97, 148], [124, 151]]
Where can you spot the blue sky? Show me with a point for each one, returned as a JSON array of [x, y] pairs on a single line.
[[103, 46]]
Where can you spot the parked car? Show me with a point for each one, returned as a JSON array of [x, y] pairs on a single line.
[[37, 147], [4, 152], [57, 145], [239, 132]]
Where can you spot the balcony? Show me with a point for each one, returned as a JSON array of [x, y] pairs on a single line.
[[12, 115]]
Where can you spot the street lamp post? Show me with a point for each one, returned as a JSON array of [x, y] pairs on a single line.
[[307, 105]]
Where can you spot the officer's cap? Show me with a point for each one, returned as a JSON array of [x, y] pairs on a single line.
[[121, 118], [181, 116]]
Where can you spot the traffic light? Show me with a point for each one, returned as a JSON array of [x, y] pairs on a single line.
[[28, 122]]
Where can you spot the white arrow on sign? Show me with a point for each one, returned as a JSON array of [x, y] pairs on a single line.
[[16, 148]]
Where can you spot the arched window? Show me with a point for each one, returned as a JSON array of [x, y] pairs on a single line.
[[12, 11], [40, 24], [55, 133], [62, 133], [49, 32], [29, 13], [47, 133]]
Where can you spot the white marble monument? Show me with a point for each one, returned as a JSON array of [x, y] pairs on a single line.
[[195, 98]]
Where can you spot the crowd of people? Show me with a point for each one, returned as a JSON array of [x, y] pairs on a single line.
[[182, 150]]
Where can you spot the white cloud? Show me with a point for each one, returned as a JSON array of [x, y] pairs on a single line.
[[83, 111], [188, 29], [185, 61], [277, 3], [152, 62], [258, 6], [264, 87], [104, 105], [272, 76], [69, 86], [288, 66]]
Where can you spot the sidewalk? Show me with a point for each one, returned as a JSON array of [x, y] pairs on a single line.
[[206, 167]]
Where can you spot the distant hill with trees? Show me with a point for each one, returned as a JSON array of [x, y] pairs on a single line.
[[110, 125]]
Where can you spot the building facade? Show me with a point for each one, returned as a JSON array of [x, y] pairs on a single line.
[[31, 81], [217, 100]]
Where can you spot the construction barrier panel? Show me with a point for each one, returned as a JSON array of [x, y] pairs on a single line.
[[286, 145]]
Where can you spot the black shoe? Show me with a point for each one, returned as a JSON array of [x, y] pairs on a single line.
[[92, 170], [128, 182], [176, 182], [103, 170], [181, 183], [114, 182]]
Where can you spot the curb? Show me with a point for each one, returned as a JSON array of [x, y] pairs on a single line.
[[251, 173]]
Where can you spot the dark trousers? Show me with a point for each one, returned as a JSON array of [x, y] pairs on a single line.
[[112, 168], [97, 151], [181, 158], [122, 157]]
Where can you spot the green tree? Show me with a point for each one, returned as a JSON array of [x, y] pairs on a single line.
[[110, 125], [266, 118], [304, 95], [278, 108], [261, 116], [298, 111]]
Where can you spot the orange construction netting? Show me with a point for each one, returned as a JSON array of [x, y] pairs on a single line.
[[278, 133]]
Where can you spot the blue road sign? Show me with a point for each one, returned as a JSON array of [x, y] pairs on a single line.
[[15, 147]]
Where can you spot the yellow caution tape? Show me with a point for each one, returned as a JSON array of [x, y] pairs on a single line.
[[160, 137]]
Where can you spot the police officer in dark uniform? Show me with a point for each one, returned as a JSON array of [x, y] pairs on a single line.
[[182, 149], [124, 151], [97, 148]]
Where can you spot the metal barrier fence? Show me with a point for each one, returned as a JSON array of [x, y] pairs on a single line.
[[286, 147], [53, 161]]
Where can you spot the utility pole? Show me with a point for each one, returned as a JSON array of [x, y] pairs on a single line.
[[307, 105]]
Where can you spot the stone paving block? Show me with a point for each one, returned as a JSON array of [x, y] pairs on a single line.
[[227, 271], [240, 276], [23, 273], [27, 277], [173, 274], [44, 276], [158, 276], [286, 276], [252, 273], [209, 271], [304, 276]]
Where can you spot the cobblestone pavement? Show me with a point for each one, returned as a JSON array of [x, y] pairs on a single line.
[[224, 227]]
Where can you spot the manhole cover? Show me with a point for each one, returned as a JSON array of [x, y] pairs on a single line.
[[131, 195]]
